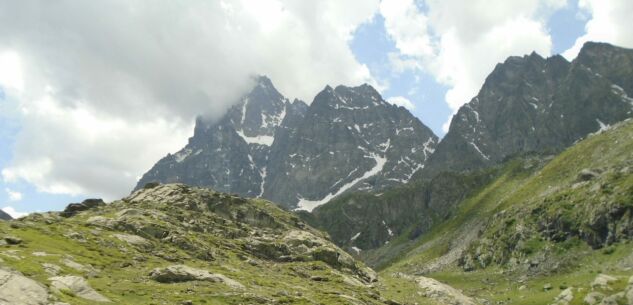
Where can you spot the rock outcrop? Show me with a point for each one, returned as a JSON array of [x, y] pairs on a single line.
[[15, 288], [182, 273], [78, 286]]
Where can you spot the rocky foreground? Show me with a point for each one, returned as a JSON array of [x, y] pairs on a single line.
[[174, 244]]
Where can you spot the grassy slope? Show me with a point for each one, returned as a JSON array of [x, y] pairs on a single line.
[[123, 269], [523, 186]]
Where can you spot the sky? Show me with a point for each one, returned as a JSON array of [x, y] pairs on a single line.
[[93, 93]]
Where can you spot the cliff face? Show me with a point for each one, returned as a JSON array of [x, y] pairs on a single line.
[[533, 104]]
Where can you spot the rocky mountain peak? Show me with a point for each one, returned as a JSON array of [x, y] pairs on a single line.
[[350, 98], [608, 61], [347, 139], [531, 103]]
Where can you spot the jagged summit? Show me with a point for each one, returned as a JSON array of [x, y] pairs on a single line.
[[348, 138], [532, 103], [349, 98]]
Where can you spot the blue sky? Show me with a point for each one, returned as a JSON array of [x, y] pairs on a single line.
[[371, 45], [87, 124]]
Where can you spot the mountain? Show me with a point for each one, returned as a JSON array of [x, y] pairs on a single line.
[[231, 154], [175, 244], [5, 216], [537, 104], [300, 156], [544, 231], [367, 224], [527, 105], [350, 139]]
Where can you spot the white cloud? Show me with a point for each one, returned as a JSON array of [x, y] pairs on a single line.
[[610, 21], [405, 23], [85, 152], [11, 71], [459, 43], [401, 101], [13, 195], [107, 88], [13, 213]]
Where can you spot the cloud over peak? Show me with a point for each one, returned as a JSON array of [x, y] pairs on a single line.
[[107, 88]]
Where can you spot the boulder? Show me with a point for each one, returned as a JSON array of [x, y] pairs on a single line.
[[133, 240], [602, 281], [586, 175], [100, 221], [615, 299], [75, 208], [151, 185], [51, 269], [18, 289], [78, 286], [12, 240], [182, 273], [441, 292], [564, 297], [593, 298]]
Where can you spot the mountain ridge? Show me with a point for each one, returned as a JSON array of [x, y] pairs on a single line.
[[528, 105], [298, 155], [548, 104]]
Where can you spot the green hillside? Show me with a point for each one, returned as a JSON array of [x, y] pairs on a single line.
[[539, 228], [174, 244]]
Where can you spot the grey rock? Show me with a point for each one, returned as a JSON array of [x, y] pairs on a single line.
[[593, 298], [564, 297], [75, 208], [51, 269], [586, 175], [182, 273], [12, 240], [16, 289], [602, 281], [100, 221], [133, 240], [78, 286], [613, 299]]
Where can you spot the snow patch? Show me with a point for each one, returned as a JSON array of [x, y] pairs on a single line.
[[309, 205], [261, 140], [244, 110], [603, 126], [261, 186], [355, 236], [388, 229], [280, 117], [479, 150], [182, 155], [385, 146], [250, 158], [619, 91]]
